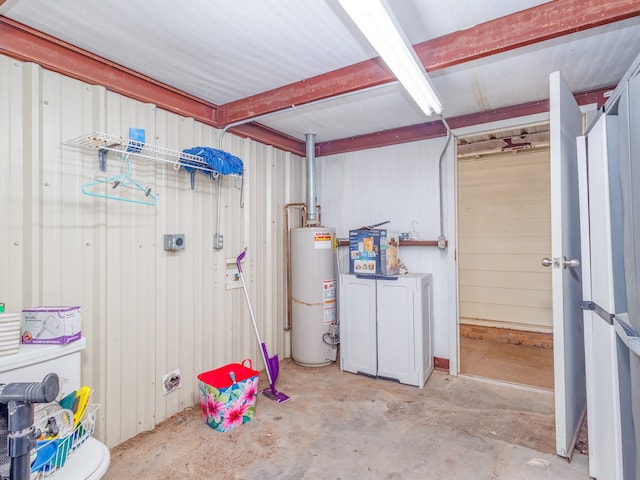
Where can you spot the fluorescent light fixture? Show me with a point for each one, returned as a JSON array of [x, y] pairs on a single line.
[[378, 24]]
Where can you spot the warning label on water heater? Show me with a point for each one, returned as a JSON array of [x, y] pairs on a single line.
[[329, 301], [322, 240]]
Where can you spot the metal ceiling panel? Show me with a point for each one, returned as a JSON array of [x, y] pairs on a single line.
[[522, 75], [221, 51], [377, 109], [217, 50], [425, 19], [511, 78]]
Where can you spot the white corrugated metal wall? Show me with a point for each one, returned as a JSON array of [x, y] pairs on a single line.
[[145, 311], [399, 184]]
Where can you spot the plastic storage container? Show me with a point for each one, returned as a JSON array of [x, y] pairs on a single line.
[[228, 395], [9, 333]]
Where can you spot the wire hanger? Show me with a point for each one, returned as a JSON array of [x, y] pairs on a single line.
[[241, 188], [118, 183]]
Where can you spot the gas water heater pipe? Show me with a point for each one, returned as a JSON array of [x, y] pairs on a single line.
[[218, 235], [312, 216], [287, 257]]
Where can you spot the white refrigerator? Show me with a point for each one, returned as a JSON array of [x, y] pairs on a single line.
[[386, 326]]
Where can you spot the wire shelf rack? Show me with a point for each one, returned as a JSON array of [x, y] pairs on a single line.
[[126, 147]]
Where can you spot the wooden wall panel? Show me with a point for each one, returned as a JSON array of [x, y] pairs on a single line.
[[504, 228]]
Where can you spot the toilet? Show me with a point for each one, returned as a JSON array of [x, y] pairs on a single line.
[[30, 364]]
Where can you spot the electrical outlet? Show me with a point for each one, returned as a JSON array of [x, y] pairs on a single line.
[[171, 381]]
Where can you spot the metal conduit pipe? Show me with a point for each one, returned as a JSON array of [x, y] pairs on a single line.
[[442, 239], [217, 238], [287, 258]]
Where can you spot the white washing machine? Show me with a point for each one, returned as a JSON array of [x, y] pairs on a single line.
[[31, 364]]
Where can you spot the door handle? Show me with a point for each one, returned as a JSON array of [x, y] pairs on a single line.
[[573, 263]]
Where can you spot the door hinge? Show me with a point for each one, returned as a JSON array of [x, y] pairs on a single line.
[[601, 312]]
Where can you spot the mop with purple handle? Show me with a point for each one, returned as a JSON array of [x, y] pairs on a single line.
[[272, 365]]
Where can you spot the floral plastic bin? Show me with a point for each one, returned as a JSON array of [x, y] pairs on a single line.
[[228, 395]]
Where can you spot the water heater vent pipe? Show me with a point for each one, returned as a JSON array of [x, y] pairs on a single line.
[[312, 215]]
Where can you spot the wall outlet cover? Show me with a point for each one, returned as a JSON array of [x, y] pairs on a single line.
[[171, 381], [232, 276]]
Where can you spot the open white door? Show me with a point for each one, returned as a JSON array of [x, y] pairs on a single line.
[[568, 329]]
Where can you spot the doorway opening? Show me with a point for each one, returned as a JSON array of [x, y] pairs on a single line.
[[504, 230]]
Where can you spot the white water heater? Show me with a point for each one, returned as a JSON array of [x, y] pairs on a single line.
[[313, 295]]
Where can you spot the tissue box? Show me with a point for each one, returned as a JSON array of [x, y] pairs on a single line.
[[47, 325], [374, 252]]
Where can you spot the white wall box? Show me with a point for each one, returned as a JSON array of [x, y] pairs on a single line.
[[386, 327]]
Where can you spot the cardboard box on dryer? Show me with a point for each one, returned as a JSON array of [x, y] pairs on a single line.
[[374, 252], [51, 325]]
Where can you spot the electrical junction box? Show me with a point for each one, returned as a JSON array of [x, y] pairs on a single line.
[[174, 241]]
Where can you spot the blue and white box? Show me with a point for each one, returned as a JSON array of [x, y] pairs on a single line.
[[374, 252]]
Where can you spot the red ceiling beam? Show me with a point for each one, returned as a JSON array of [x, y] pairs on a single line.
[[598, 97], [26, 44], [425, 131], [395, 136], [543, 22], [269, 136], [359, 76]]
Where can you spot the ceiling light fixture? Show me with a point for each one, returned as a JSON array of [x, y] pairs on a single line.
[[378, 24]]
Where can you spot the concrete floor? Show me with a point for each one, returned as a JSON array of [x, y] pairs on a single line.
[[507, 362], [343, 426]]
